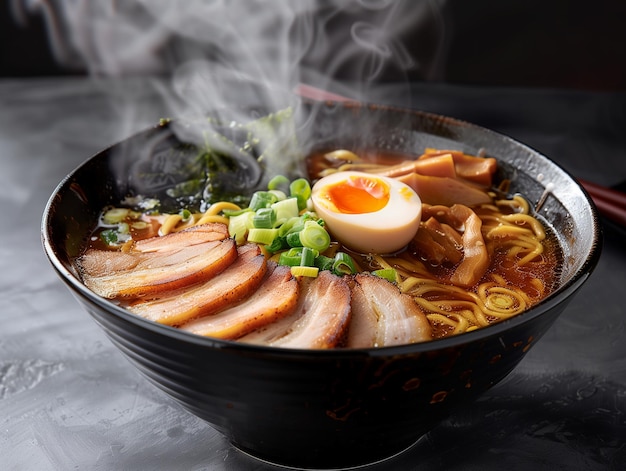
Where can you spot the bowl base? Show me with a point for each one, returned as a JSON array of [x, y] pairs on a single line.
[[330, 467]]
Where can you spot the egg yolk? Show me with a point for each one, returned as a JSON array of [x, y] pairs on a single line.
[[357, 195]]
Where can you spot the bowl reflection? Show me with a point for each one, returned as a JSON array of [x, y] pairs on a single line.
[[338, 408]]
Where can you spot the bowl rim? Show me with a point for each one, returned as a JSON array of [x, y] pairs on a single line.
[[561, 294]]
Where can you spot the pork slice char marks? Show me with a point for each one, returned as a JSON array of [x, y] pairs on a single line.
[[191, 236], [158, 264], [383, 316], [320, 319], [234, 284], [276, 297]]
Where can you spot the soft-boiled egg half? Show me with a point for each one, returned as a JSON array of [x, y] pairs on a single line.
[[367, 213]]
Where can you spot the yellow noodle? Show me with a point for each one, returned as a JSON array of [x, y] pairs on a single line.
[[504, 230], [500, 301], [442, 319], [458, 323], [434, 287], [360, 167], [169, 223], [516, 203], [498, 278], [220, 206], [530, 256], [489, 207], [468, 309], [527, 220], [207, 218], [189, 222]]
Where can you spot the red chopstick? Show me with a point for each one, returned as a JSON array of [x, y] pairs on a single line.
[[610, 203], [314, 93]]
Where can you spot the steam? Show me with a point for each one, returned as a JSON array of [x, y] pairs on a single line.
[[211, 48]]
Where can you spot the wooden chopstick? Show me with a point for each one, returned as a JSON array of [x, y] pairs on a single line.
[[610, 203], [313, 93]]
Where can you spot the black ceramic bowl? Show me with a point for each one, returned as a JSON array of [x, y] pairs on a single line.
[[338, 408]]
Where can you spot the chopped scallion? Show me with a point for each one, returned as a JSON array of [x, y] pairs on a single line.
[[264, 218], [280, 195], [238, 226], [115, 215], [324, 263], [235, 212], [343, 264], [185, 214], [307, 259], [286, 209], [262, 199], [315, 236], [291, 257], [279, 243], [388, 274], [262, 235], [301, 190], [305, 271], [293, 239], [279, 182], [109, 236]]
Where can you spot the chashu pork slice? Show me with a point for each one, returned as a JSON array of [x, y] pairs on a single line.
[[191, 236], [232, 285], [186, 258], [383, 316], [319, 321], [276, 297]]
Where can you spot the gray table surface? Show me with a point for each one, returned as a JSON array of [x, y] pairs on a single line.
[[69, 400]]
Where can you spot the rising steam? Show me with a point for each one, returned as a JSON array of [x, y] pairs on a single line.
[[211, 48]]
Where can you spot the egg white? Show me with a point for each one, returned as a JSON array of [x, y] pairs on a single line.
[[385, 231]]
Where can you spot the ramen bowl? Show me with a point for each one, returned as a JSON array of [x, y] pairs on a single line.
[[326, 408]]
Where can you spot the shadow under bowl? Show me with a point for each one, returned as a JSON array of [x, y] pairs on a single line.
[[337, 408]]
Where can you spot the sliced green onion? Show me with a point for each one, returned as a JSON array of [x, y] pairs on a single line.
[[115, 215], [307, 259], [264, 218], [305, 271], [315, 236], [185, 214], [262, 235], [300, 189], [388, 274], [324, 263], [286, 209], [139, 225], [293, 239], [109, 236], [123, 228], [238, 226], [279, 182], [278, 244], [262, 199], [280, 195], [343, 264], [291, 257], [294, 225], [235, 212]]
